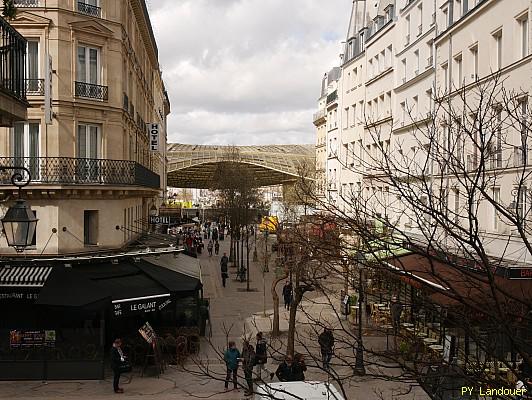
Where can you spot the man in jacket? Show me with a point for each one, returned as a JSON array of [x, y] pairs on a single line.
[[223, 267], [117, 359], [231, 358], [326, 342], [261, 354], [248, 361], [284, 370]]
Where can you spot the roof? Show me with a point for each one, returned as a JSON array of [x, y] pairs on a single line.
[[194, 166]]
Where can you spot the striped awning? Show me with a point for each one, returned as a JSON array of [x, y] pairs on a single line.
[[24, 276]]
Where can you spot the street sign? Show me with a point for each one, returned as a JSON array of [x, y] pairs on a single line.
[[159, 220], [153, 135]]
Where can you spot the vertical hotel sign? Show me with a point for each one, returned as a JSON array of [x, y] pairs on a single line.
[[153, 134], [48, 91]]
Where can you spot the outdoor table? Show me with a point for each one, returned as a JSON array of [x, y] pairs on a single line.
[[436, 347], [421, 335], [407, 324], [430, 341], [354, 309]]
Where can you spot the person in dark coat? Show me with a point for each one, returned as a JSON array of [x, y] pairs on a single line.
[[117, 358], [223, 268], [284, 370], [261, 354], [216, 247], [248, 361], [396, 309], [298, 368], [287, 295], [326, 342]]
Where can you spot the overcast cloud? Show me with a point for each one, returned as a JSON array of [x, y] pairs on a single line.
[[246, 71]]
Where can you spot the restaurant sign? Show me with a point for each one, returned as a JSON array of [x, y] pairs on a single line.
[[37, 338], [141, 305], [519, 273], [19, 294]]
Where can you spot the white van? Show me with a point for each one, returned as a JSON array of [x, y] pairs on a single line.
[[297, 390]]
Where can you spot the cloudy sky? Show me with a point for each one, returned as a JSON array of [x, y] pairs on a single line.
[[246, 71]]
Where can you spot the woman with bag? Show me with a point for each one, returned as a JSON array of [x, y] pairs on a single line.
[[119, 364]]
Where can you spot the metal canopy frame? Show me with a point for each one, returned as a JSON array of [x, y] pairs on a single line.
[[193, 166]]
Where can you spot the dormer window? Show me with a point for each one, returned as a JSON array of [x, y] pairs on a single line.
[[388, 12]]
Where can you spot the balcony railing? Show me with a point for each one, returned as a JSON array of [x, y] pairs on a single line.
[[12, 60], [35, 87], [89, 9], [319, 115], [27, 3], [91, 91], [81, 171]]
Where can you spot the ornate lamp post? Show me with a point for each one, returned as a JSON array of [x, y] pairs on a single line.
[[19, 223]]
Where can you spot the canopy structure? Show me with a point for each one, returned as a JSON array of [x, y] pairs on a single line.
[[194, 166]]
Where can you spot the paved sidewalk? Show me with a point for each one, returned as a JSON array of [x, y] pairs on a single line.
[[234, 311]]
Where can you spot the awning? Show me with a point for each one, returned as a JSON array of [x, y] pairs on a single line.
[[181, 262], [29, 276], [68, 287]]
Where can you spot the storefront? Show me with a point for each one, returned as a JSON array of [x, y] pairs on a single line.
[[61, 318]]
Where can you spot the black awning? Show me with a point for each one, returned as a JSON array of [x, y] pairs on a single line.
[[172, 280], [68, 287]]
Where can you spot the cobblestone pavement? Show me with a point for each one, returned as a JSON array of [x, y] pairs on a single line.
[[234, 312]]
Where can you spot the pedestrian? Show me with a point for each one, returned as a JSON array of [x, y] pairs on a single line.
[[117, 359], [261, 354], [216, 247], [231, 358], [396, 310], [298, 368], [223, 267], [287, 294], [209, 248], [248, 362], [326, 342], [215, 234], [284, 370]]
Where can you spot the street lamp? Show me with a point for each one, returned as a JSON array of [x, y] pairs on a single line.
[[359, 360], [19, 223]]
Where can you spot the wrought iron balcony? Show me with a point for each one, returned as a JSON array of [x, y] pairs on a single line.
[[89, 9], [91, 91], [35, 87], [12, 61], [81, 171], [27, 3]]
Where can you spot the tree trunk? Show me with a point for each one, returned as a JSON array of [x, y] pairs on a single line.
[[275, 328], [247, 259], [298, 295]]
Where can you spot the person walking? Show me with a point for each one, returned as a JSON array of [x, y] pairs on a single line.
[[223, 266], [284, 370], [261, 354], [326, 342], [248, 361], [117, 359], [298, 368], [216, 247], [231, 358], [396, 309], [209, 248], [287, 294]]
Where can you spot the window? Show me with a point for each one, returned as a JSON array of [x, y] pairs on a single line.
[[32, 67], [25, 146], [346, 119], [89, 141], [382, 60], [415, 107], [88, 65], [389, 57], [445, 76], [458, 71], [420, 19], [416, 62], [497, 156], [90, 227], [403, 62], [353, 114], [458, 9], [407, 30], [495, 215], [521, 204], [403, 112], [360, 152], [523, 104], [497, 43], [474, 57], [445, 21], [370, 69], [523, 25]]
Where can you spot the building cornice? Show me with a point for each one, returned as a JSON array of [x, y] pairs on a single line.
[[146, 30]]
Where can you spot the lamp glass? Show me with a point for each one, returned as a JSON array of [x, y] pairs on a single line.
[[19, 225]]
